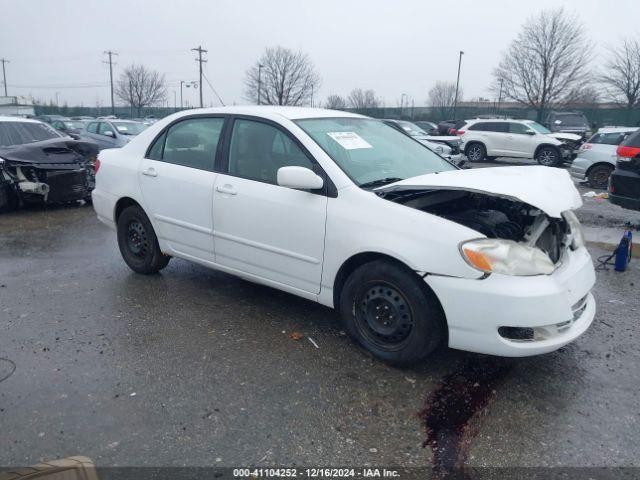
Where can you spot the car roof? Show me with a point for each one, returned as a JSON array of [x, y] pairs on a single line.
[[291, 113], [8, 118], [617, 129]]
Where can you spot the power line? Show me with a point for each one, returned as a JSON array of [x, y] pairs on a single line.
[[214, 90], [200, 60], [4, 75], [111, 64]]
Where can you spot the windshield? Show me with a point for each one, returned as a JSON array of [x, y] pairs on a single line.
[[129, 128], [371, 152], [19, 133], [75, 124], [571, 120], [412, 129], [538, 128]]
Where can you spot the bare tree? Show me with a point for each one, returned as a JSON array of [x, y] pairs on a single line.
[[336, 102], [284, 77], [140, 87], [442, 98], [621, 75], [585, 96], [363, 99], [548, 58]]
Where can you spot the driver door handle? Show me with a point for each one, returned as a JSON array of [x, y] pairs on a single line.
[[150, 172], [228, 189]]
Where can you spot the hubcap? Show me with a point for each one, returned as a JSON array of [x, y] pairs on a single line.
[[384, 316], [137, 241]]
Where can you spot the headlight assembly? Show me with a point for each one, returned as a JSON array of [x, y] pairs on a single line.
[[577, 235], [507, 257]]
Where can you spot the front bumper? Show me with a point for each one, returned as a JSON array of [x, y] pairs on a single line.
[[458, 160], [560, 304]]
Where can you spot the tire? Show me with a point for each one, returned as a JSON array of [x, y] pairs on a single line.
[[475, 152], [412, 323], [549, 156], [138, 242], [598, 176]]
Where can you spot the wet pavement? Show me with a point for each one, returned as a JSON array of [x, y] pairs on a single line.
[[195, 367]]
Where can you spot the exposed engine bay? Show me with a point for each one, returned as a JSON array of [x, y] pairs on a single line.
[[48, 171], [492, 216]]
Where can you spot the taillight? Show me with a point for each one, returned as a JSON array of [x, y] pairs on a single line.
[[628, 152], [452, 131], [96, 165], [460, 132]]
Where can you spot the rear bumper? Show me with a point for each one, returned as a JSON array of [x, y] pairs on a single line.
[[624, 189], [104, 205], [579, 168], [559, 305]]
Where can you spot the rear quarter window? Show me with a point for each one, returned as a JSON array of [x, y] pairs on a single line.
[[633, 140]]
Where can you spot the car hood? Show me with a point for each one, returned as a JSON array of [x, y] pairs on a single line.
[[549, 189], [48, 152], [565, 136]]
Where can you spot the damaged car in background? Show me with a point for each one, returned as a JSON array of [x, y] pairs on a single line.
[[347, 211], [39, 165]]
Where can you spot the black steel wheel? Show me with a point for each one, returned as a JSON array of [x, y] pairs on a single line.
[[598, 176], [138, 242], [391, 312]]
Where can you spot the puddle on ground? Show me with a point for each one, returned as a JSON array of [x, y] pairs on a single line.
[[449, 409]]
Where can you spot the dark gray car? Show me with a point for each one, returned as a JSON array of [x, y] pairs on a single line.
[[113, 133]]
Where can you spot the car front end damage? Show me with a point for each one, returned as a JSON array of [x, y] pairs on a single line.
[[50, 171], [532, 293]]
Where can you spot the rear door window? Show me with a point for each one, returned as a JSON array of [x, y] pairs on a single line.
[[490, 127], [613, 138]]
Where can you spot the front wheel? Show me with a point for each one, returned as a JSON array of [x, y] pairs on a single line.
[[476, 152], [389, 311], [138, 242], [549, 157]]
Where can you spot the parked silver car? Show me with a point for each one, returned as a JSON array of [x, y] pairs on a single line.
[[113, 133], [597, 156]]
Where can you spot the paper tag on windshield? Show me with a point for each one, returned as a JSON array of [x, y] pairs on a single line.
[[349, 140]]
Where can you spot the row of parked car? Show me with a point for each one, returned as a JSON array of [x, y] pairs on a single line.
[[51, 159]]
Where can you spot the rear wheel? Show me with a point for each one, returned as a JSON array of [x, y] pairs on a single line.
[[598, 176], [475, 152], [548, 156], [138, 242], [389, 311]]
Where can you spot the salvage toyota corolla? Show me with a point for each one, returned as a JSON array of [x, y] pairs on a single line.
[[347, 211]]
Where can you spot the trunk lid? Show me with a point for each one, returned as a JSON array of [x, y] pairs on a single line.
[[549, 189]]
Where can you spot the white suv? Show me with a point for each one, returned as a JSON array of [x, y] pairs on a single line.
[[484, 139], [346, 211]]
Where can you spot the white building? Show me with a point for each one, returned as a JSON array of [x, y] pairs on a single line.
[[19, 105]]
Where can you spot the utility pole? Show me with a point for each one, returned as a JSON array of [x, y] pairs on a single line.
[[111, 64], [259, 82], [200, 60], [500, 97], [455, 101], [4, 75]]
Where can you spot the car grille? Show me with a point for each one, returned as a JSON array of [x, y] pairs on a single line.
[[67, 185]]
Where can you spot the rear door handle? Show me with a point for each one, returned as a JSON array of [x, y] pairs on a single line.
[[228, 189], [150, 172]]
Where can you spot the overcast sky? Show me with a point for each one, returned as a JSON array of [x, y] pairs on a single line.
[[392, 47]]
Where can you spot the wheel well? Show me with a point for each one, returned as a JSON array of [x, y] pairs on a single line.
[[545, 145], [121, 205], [599, 164]]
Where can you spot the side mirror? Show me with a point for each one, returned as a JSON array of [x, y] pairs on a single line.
[[109, 133], [530, 132], [299, 178]]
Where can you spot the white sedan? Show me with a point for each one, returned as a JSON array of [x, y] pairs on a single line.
[[346, 211]]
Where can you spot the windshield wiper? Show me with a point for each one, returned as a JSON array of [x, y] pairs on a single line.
[[380, 182]]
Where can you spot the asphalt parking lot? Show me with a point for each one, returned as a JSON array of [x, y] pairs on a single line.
[[194, 367]]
